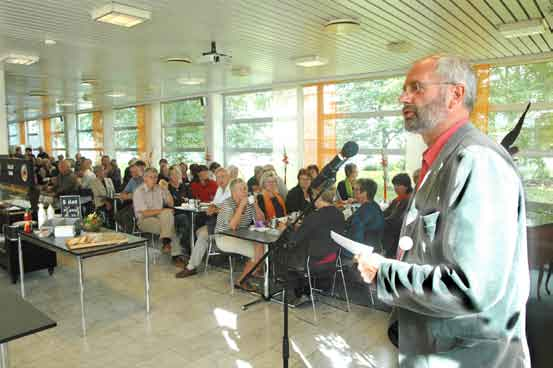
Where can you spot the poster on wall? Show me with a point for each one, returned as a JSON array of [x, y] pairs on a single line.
[[16, 172]]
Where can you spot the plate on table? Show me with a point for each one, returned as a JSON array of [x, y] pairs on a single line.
[[261, 229]]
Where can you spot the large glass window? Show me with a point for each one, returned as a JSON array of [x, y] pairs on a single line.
[[87, 142], [259, 128], [125, 135], [368, 113], [184, 130], [511, 88], [33, 134], [13, 134], [58, 138]]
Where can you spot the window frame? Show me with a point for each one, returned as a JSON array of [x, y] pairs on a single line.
[[58, 133], [167, 125], [125, 128], [98, 150]]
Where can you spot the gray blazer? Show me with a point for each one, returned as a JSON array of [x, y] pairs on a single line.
[[460, 293]]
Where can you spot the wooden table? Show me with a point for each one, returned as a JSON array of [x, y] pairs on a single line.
[[18, 318]]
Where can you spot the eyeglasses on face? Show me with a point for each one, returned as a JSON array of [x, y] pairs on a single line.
[[417, 87]]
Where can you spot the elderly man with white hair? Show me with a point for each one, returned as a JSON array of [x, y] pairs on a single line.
[[460, 281]]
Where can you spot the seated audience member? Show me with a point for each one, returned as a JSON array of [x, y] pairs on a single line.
[[253, 182], [41, 153], [345, 187], [99, 191], [270, 200], [367, 223], [29, 153], [298, 197], [204, 189], [393, 215], [77, 162], [313, 171], [313, 240], [202, 234], [280, 183], [66, 182], [18, 153], [86, 173], [184, 171], [137, 173], [179, 191], [149, 202], [194, 171], [127, 175], [212, 168], [237, 213], [163, 170]]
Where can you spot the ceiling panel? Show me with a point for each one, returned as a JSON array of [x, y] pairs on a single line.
[[264, 36]]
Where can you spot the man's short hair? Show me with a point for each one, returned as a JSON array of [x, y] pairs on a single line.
[[150, 171], [456, 70], [214, 166], [98, 168], [368, 186], [328, 195], [140, 163]]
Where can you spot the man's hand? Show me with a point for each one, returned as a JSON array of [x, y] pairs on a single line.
[[369, 265], [212, 210]]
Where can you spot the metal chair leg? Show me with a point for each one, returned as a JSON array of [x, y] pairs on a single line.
[[231, 275], [209, 242], [345, 288], [311, 292]]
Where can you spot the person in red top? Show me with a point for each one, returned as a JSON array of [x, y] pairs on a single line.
[[205, 188]]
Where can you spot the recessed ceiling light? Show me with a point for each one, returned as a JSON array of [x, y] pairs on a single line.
[[190, 81], [87, 82], [342, 26], [311, 61], [115, 94], [37, 93], [399, 46], [523, 28], [120, 15], [19, 59], [241, 71], [178, 59], [65, 104], [49, 42]]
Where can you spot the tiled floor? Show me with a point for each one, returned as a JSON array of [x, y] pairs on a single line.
[[193, 322]]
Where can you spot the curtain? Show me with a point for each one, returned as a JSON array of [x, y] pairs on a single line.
[[141, 131], [47, 133], [98, 130], [479, 115], [22, 133]]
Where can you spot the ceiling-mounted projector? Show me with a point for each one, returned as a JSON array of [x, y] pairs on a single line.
[[214, 57]]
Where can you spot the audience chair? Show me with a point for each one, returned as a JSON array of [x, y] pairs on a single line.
[[213, 251], [151, 236]]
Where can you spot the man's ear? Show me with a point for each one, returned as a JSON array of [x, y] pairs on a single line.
[[458, 95]]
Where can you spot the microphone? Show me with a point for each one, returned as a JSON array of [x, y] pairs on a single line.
[[349, 149]]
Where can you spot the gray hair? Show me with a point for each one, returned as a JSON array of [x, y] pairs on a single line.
[[98, 168], [150, 170], [457, 70], [266, 176], [235, 182]]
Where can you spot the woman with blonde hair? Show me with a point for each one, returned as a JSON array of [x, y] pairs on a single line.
[[270, 201]]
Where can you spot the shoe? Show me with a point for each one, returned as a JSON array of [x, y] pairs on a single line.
[[246, 286], [185, 273], [166, 248], [181, 261]]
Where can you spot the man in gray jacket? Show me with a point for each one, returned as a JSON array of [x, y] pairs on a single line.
[[459, 294]]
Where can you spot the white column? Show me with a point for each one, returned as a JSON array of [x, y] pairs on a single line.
[[71, 132], [154, 131], [414, 147], [3, 120], [108, 119], [214, 137]]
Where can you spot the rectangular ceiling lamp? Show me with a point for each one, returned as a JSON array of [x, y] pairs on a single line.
[[120, 15], [19, 59], [523, 28]]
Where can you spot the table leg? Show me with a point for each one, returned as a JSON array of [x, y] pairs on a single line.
[[266, 291], [192, 214], [4, 358], [81, 285], [147, 275], [115, 213], [21, 270]]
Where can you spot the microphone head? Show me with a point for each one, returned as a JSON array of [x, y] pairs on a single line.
[[405, 243], [350, 149]]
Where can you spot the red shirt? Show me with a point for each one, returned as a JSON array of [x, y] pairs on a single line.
[[205, 193], [434, 150]]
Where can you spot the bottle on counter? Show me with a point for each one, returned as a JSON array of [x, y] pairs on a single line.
[[28, 218], [50, 212], [42, 217]]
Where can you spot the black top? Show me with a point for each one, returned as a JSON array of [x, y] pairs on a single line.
[[314, 234], [279, 211], [393, 219], [295, 200], [251, 182], [179, 193], [18, 318], [341, 189]]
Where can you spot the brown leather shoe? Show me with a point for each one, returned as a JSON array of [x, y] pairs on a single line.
[[181, 261], [166, 248], [185, 273]]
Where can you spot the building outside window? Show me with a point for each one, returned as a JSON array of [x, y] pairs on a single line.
[[33, 131], [13, 134], [58, 136], [125, 135], [88, 145]]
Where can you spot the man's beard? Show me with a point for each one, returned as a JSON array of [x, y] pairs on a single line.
[[426, 117]]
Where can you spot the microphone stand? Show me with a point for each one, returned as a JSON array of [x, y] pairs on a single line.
[[284, 242]]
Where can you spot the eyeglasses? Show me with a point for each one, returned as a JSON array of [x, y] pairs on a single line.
[[419, 87]]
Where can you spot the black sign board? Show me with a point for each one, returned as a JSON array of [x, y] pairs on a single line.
[[70, 206], [16, 171]]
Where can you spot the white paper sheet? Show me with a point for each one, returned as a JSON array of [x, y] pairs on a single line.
[[354, 247]]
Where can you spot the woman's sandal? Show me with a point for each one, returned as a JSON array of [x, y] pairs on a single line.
[[245, 285]]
